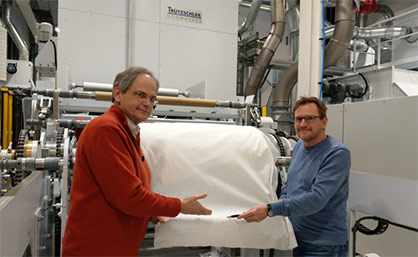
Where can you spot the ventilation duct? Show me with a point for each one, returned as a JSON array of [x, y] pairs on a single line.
[[344, 25], [269, 48]]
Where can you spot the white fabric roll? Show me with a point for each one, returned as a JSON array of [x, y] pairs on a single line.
[[234, 165]]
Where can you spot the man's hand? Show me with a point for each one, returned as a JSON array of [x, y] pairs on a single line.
[[257, 213], [191, 205], [155, 220]]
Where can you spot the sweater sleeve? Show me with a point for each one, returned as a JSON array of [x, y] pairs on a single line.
[[333, 172], [113, 168]]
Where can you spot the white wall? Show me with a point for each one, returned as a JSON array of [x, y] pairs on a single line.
[[93, 43]]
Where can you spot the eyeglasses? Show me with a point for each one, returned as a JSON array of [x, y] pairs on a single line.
[[141, 95], [308, 119]]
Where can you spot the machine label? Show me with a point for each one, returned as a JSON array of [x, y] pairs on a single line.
[[184, 14]]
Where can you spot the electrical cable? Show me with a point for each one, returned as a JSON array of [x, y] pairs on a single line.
[[365, 90], [55, 53], [381, 228], [265, 77], [367, 84]]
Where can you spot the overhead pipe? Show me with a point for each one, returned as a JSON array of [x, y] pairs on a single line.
[[252, 15], [344, 25], [269, 48], [262, 7], [373, 33], [20, 43]]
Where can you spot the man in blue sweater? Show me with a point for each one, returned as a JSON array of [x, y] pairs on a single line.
[[315, 195]]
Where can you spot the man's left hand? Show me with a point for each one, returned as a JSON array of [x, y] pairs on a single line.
[[257, 213]]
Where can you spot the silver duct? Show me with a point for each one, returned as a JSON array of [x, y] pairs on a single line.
[[270, 46], [252, 15], [20, 43], [344, 25], [263, 7], [373, 33]]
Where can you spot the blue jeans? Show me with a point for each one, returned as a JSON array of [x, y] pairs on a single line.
[[306, 250]]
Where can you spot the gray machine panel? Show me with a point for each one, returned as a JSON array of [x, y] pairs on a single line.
[[335, 114], [18, 217], [382, 136]]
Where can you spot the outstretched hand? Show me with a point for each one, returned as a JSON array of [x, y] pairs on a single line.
[[156, 220], [256, 213], [191, 205]]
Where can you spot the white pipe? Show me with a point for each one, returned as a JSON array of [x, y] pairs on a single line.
[[105, 87]]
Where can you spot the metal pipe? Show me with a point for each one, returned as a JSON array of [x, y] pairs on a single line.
[[20, 43], [66, 123], [344, 25], [94, 86], [65, 93], [283, 161], [270, 46], [262, 7], [106, 87], [383, 33], [373, 33], [31, 163], [252, 15], [162, 100]]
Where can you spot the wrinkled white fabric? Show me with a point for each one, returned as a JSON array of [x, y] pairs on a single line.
[[234, 165]]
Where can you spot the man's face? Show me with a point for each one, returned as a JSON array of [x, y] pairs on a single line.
[[313, 131], [137, 101]]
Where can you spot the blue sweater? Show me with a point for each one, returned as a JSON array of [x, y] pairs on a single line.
[[316, 192]]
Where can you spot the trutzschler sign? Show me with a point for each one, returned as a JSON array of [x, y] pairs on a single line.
[[184, 14]]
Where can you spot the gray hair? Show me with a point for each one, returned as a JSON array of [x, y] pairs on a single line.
[[125, 78]]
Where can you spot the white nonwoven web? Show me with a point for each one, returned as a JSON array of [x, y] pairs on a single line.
[[234, 165]]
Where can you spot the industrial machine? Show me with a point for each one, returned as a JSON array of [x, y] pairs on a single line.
[[364, 67]]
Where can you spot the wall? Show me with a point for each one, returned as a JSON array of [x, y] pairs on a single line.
[[93, 43]]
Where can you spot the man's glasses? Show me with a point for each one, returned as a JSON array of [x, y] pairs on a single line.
[[308, 119], [141, 95]]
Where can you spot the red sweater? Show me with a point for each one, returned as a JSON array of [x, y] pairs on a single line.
[[111, 201]]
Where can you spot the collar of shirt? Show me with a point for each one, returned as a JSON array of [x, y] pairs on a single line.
[[134, 128]]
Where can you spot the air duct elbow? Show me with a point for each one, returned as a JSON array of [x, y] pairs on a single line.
[[269, 48]]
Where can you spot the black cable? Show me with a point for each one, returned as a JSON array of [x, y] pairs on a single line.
[[365, 90], [380, 228], [381, 221], [55, 53], [265, 77]]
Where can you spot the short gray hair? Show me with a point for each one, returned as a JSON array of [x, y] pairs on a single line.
[[124, 79]]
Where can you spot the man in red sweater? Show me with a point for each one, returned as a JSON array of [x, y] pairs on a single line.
[[111, 200]]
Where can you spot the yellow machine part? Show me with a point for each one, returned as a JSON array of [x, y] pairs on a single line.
[[263, 111], [6, 119]]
